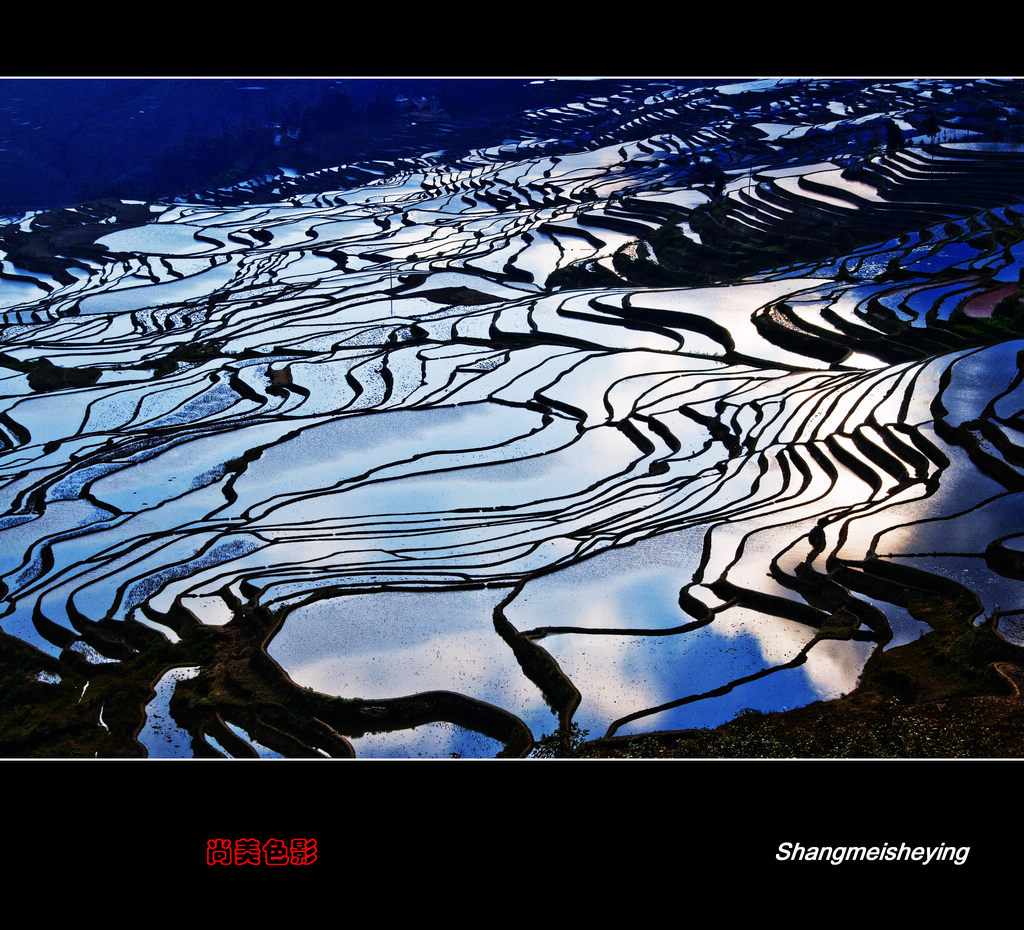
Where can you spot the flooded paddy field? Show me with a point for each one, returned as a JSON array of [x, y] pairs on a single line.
[[687, 399]]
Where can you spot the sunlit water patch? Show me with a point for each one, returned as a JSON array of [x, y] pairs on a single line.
[[403, 643]]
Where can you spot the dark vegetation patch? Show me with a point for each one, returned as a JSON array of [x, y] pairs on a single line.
[[189, 353], [1006, 321], [723, 255], [583, 275], [980, 727], [56, 240], [457, 296], [63, 719], [44, 376]]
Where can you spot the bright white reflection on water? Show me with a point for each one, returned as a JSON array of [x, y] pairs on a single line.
[[636, 587], [402, 643]]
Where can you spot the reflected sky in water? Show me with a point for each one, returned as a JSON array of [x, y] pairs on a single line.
[[161, 736], [439, 740], [619, 675], [402, 643]]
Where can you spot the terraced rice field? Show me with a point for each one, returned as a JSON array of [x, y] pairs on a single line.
[[668, 407]]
